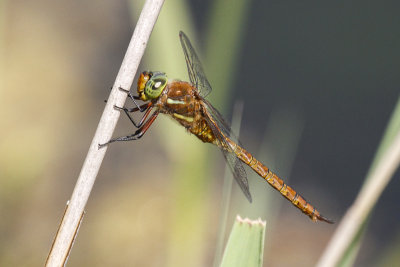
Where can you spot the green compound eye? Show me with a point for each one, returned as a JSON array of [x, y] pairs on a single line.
[[155, 85]]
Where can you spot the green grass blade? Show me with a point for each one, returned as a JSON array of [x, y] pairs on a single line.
[[188, 170], [245, 244], [391, 131], [343, 248], [225, 28], [227, 189]]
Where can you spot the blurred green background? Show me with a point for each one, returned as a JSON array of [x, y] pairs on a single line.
[[317, 81]]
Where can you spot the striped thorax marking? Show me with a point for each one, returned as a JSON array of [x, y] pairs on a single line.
[[179, 116], [175, 102]]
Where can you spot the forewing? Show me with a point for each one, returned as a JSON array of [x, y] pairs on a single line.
[[195, 70], [221, 130]]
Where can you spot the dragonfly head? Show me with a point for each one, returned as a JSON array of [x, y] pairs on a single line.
[[151, 85]]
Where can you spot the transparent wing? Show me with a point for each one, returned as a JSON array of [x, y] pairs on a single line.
[[217, 124], [221, 130], [238, 172], [195, 70], [220, 122]]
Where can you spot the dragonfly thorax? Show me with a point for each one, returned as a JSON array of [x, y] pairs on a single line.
[[151, 85]]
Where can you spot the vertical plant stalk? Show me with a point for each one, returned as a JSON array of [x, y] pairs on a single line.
[[227, 188], [70, 223], [359, 211]]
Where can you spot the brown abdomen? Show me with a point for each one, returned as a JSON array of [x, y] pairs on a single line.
[[277, 183]]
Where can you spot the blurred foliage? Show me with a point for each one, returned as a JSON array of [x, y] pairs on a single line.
[[392, 130], [391, 257]]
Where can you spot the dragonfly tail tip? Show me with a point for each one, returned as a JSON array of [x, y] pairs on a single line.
[[324, 219]]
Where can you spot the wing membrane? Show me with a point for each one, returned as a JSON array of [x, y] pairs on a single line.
[[221, 130], [219, 127], [195, 70], [238, 172]]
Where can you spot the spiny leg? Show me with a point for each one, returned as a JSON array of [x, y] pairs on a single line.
[[135, 109], [133, 98], [148, 108], [141, 108], [137, 135]]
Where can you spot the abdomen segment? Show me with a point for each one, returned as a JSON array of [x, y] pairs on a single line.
[[277, 183]]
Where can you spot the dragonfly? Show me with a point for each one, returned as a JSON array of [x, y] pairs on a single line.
[[186, 103]]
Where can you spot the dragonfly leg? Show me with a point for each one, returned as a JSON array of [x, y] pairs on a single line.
[[133, 98], [141, 108], [137, 135], [148, 107]]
